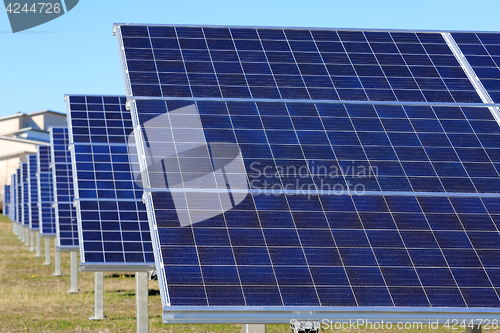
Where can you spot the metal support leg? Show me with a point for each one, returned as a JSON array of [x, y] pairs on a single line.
[[99, 297], [74, 272], [14, 230], [38, 250], [27, 236], [32, 241], [141, 300], [20, 232], [253, 328], [47, 251], [475, 329], [57, 256]]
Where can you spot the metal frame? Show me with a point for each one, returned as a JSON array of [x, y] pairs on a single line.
[[118, 267], [268, 315], [310, 101]]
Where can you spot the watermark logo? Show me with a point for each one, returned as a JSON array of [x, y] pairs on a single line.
[[25, 15]]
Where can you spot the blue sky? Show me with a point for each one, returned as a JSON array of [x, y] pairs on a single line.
[[77, 53]]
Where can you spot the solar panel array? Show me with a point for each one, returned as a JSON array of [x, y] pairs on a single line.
[[6, 200], [45, 186], [112, 219], [34, 221], [66, 222], [259, 200]]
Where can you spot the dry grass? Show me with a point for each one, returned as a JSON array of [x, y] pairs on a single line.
[[32, 300]]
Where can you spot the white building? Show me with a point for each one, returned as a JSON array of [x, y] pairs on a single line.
[[20, 133]]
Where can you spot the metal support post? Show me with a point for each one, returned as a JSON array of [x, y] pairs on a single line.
[[253, 328], [20, 232], [32, 240], [99, 297], [27, 236], [47, 251], [14, 228], [38, 250], [74, 272], [475, 329], [57, 260], [141, 300]]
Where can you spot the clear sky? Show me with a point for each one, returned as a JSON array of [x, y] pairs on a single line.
[[77, 53]]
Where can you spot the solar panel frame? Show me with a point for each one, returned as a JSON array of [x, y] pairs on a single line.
[[98, 126], [65, 212], [268, 314], [45, 193]]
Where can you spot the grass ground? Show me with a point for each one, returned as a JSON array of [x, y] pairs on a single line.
[[32, 300]]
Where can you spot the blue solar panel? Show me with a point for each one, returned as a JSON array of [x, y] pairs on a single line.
[[112, 219], [19, 206], [45, 193], [66, 222], [6, 200], [34, 221], [12, 208], [25, 195], [292, 64], [257, 200], [482, 51]]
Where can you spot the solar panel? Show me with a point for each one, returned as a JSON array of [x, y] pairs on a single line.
[[25, 206], [265, 205], [113, 225], [45, 193], [65, 213], [6, 200], [19, 201], [482, 51], [34, 222], [292, 64], [12, 208]]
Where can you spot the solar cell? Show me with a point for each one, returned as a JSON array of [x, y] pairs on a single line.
[[114, 231], [65, 213], [34, 220], [379, 195], [45, 193]]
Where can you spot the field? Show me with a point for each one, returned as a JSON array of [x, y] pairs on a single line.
[[32, 300]]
